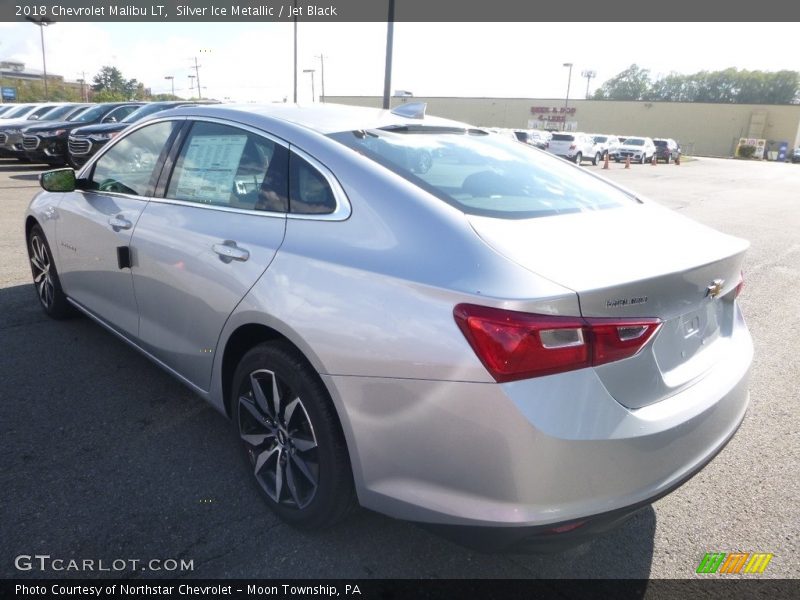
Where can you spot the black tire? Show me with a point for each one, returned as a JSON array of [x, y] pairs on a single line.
[[596, 159], [642, 160], [616, 159], [668, 159], [306, 451], [45, 277], [578, 158]]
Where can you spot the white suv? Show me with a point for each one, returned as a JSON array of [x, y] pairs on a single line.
[[576, 147], [638, 149]]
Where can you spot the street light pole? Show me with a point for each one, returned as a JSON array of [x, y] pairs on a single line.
[[589, 74], [566, 100], [42, 22], [312, 82], [387, 77], [172, 80]]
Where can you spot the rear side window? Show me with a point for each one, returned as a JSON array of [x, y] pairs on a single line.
[[227, 166], [309, 191]]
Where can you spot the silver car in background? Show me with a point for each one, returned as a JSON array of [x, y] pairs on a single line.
[[504, 346]]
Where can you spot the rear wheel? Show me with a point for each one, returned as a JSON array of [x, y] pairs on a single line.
[[578, 158], [45, 276], [292, 437]]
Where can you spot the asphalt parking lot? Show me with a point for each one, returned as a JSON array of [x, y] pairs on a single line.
[[107, 457]]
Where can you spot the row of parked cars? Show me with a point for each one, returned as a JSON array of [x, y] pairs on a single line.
[[61, 133], [594, 147]]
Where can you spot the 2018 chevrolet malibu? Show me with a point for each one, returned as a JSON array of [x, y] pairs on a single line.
[[502, 344]]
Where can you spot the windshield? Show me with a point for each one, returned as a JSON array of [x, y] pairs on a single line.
[[17, 112], [634, 142], [600, 139], [147, 109], [57, 113], [92, 114], [484, 174], [39, 112]]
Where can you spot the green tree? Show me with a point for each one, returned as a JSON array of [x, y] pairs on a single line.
[[632, 84], [110, 85]]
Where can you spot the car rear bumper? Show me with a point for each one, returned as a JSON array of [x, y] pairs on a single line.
[[530, 454]]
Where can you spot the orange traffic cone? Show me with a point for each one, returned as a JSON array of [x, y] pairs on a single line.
[[605, 162], [678, 159], [627, 162], [654, 161]]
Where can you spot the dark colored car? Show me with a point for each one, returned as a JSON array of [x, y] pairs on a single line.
[[11, 134], [667, 149], [85, 141], [47, 142], [795, 156]]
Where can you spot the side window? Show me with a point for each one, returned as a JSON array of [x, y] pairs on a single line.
[[129, 166], [119, 113], [227, 166], [309, 192]]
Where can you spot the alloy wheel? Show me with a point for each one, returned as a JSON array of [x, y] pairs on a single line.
[[279, 438], [42, 278]]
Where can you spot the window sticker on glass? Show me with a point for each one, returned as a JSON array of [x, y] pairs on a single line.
[[209, 168]]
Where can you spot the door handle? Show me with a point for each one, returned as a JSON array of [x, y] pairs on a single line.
[[228, 251], [118, 222]]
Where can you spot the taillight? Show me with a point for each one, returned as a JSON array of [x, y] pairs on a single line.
[[740, 285], [514, 345], [572, 146]]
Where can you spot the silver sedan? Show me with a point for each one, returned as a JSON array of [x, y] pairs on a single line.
[[500, 345]]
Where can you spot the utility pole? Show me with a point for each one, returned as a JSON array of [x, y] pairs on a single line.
[[321, 58], [191, 83], [294, 72], [197, 71], [387, 78], [84, 95]]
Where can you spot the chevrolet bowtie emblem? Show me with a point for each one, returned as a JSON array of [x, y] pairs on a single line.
[[714, 290]]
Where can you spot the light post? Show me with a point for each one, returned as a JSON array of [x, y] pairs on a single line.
[[172, 80], [42, 22], [566, 100], [321, 58], [312, 81], [589, 74]]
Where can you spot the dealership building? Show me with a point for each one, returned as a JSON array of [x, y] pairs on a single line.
[[701, 129]]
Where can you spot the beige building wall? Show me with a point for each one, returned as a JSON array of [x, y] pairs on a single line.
[[701, 129]]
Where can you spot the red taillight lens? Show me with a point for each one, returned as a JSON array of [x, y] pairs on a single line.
[[572, 146], [740, 285], [514, 345]]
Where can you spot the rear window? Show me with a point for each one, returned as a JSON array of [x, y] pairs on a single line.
[[484, 174], [563, 137], [660, 142]]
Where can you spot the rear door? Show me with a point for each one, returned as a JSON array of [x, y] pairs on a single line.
[[216, 226], [94, 223]]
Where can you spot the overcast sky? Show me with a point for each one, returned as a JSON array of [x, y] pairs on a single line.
[[253, 62]]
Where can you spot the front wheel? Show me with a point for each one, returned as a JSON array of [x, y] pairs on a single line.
[[292, 437], [596, 159], [643, 160], [45, 276]]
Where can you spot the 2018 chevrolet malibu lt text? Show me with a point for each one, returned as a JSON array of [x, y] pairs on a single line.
[[503, 342]]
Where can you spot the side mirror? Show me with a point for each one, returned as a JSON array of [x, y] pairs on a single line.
[[110, 120], [58, 180]]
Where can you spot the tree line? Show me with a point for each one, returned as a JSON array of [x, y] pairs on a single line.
[[730, 86]]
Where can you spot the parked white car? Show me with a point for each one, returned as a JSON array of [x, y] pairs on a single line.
[[576, 147], [638, 149], [608, 144]]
